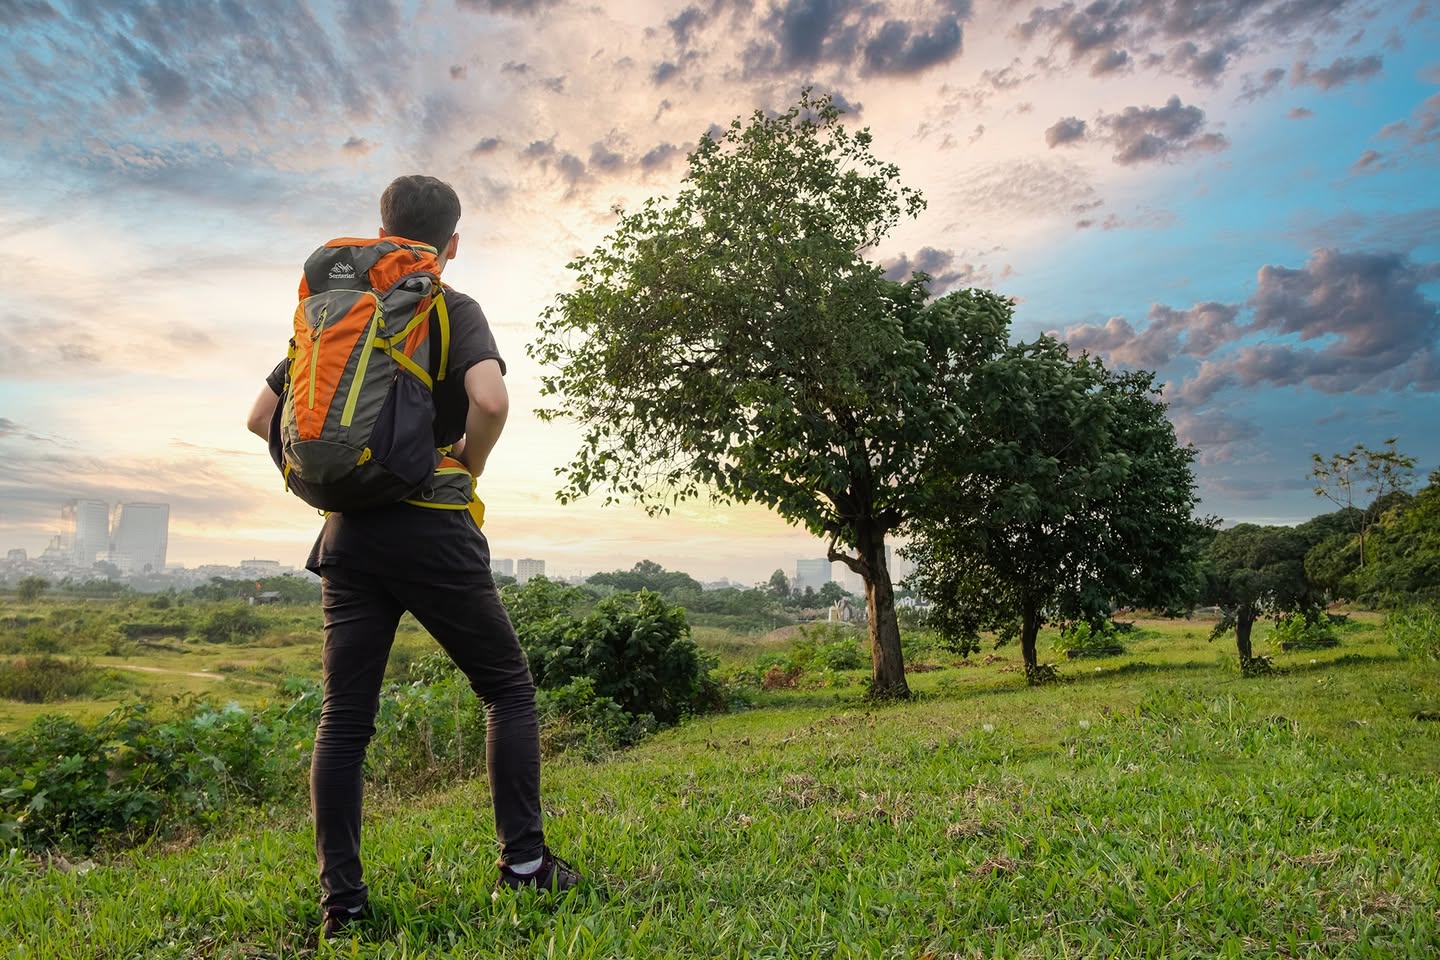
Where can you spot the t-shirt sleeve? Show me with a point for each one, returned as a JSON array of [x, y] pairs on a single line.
[[470, 338], [276, 379]]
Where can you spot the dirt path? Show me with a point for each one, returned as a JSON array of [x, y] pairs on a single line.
[[202, 674]]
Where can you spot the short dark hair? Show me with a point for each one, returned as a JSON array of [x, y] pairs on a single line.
[[420, 208]]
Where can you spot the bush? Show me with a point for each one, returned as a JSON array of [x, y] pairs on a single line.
[[1082, 639], [46, 679], [635, 646], [232, 625], [574, 717], [827, 647], [1310, 630], [1415, 631], [64, 782]]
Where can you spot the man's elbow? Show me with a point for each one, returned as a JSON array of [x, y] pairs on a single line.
[[491, 405]]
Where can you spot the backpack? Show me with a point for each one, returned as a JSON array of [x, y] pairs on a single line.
[[354, 426]]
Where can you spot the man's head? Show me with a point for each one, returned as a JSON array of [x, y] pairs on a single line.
[[424, 209]]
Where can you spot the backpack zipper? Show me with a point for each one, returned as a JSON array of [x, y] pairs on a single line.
[[315, 351]]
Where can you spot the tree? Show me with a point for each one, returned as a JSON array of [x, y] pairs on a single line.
[[1065, 495], [831, 593], [1406, 549], [29, 589], [1380, 472], [779, 585], [734, 343], [647, 575], [1254, 571]]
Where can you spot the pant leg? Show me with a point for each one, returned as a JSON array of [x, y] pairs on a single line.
[[360, 622], [468, 620]]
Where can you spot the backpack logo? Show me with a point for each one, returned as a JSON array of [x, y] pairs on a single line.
[[342, 271]]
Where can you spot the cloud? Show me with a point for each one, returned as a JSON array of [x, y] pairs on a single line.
[[1268, 82], [658, 156], [1065, 130], [898, 49], [1369, 162], [357, 146], [1171, 333], [1158, 134], [520, 7], [1214, 433], [1301, 113], [945, 274], [1350, 322], [800, 35], [486, 146], [1339, 73], [1033, 187], [1422, 128], [1345, 322], [1199, 39]]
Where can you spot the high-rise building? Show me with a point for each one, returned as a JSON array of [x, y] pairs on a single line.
[[502, 568], [85, 530], [140, 534], [526, 568], [811, 573]]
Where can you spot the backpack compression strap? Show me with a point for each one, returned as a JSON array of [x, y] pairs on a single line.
[[393, 346]]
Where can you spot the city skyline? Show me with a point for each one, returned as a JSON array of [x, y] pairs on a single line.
[[1241, 196]]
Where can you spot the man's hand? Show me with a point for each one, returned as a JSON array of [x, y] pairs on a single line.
[[489, 405]]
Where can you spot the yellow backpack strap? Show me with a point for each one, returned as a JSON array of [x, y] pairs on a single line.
[[443, 313]]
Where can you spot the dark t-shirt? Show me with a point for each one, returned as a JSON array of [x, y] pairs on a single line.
[[402, 540]]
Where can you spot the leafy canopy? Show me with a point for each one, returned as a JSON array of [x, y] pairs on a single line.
[[1066, 494], [734, 342]]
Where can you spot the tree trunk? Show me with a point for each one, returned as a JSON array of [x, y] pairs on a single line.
[[887, 660], [1029, 632], [1244, 620]]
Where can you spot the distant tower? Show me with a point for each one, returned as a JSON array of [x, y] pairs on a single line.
[[811, 573], [85, 530], [526, 568], [502, 568], [140, 536]]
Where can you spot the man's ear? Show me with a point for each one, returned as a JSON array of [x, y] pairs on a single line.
[[381, 233], [452, 246]]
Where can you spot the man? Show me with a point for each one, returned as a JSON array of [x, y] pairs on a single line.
[[377, 564]]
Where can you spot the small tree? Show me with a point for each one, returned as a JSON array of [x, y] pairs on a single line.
[[1254, 571], [30, 588], [1377, 472], [735, 343], [1065, 494]]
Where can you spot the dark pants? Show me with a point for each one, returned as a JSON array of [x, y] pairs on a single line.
[[470, 623]]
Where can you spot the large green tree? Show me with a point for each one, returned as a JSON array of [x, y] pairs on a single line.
[[1254, 571], [734, 342], [1065, 495]]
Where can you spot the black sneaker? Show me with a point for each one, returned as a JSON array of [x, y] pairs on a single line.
[[337, 919], [553, 874]]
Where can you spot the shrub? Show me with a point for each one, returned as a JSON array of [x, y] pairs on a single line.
[[46, 679], [1082, 639], [635, 646], [1415, 631], [827, 646], [574, 717], [1308, 630], [232, 625]]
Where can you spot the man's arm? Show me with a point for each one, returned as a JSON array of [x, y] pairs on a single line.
[[261, 411], [489, 404]]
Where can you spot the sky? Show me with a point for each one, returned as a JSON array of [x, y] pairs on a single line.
[[1243, 196]]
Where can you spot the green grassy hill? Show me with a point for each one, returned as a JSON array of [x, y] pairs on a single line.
[[1158, 806]]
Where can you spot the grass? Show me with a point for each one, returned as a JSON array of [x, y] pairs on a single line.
[[1158, 807]]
